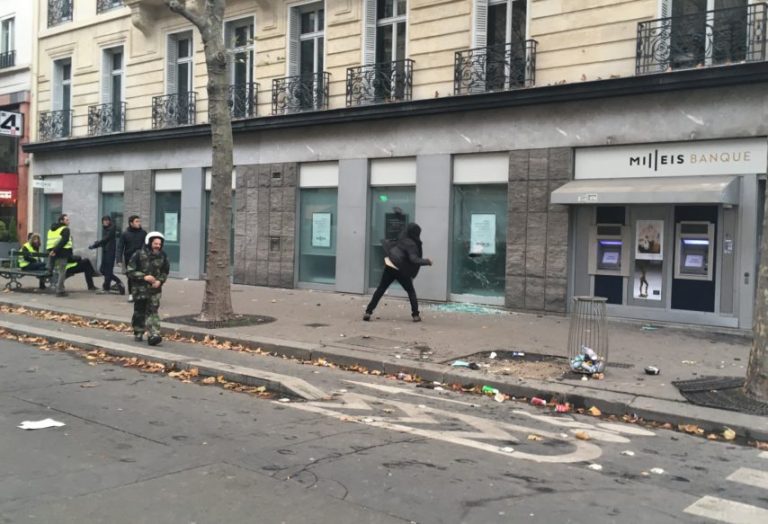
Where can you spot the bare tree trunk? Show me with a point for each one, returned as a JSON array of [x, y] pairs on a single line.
[[208, 17], [756, 385]]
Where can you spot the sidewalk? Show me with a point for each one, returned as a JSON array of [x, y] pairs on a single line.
[[330, 324]]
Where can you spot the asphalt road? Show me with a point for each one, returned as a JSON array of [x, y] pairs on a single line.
[[147, 448]]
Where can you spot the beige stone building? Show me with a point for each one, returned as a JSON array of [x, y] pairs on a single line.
[[516, 132]]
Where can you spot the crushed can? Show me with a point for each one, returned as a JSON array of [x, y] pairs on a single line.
[[536, 401]]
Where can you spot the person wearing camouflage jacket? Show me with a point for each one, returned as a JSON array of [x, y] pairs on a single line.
[[148, 270]]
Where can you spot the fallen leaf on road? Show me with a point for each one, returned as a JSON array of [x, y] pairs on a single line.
[[729, 434], [535, 438], [582, 435], [711, 436], [209, 380], [761, 445], [595, 412], [692, 429]]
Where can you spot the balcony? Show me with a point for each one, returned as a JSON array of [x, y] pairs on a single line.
[[173, 110], [53, 125], [379, 83], [7, 59], [294, 94], [710, 38], [495, 68], [106, 118], [106, 5], [242, 100], [59, 11]]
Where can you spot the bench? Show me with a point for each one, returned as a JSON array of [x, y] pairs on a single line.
[[10, 270]]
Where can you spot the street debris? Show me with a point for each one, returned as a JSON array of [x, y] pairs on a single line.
[[688, 362], [284, 400], [648, 327], [492, 355], [563, 408], [691, 429], [499, 397], [587, 361], [652, 370], [595, 412], [518, 354], [595, 467], [628, 453], [473, 309], [460, 364], [536, 401], [507, 449], [729, 434], [657, 471], [582, 435], [535, 438], [41, 424]]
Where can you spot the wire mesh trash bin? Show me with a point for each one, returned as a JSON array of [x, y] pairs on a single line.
[[588, 335]]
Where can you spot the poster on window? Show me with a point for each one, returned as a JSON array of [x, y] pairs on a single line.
[[650, 240], [171, 230], [648, 280], [482, 239], [321, 230]]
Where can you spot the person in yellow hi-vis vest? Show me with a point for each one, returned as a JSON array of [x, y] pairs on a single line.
[[59, 245], [30, 258]]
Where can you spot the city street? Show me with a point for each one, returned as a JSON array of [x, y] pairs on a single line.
[[141, 447]]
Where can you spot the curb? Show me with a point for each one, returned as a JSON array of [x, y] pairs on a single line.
[[751, 427]]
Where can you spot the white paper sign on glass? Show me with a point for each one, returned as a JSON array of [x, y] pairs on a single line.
[[321, 229], [482, 234], [171, 225], [649, 241]]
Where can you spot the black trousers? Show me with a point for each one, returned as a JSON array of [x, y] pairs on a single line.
[[108, 272], [37, 266], [389, 276], [83, 266]]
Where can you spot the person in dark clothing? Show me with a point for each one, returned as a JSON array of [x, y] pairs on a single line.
[[30, 257], [402, 261], [108, 244], [76, 265], [130, 241]]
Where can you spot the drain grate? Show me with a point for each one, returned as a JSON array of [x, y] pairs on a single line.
[[721, 393]]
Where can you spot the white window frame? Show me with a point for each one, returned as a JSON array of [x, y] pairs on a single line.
[[371, 24], [108, 73], [173, 60], [480, 21], [8, 34], [295, 37], [57, 98], [249, 48]]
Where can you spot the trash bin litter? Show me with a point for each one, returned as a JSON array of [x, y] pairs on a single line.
[[588, 336]]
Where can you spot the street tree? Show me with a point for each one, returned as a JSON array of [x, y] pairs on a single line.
[[756, 384], [208, 17]]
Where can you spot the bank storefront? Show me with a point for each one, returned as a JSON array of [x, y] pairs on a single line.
[[668, 231]]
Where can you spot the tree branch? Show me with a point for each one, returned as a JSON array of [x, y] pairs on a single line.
[[190, 12]]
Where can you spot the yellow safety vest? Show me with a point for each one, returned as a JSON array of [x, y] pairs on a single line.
[[54, 235], [70, 265], [22, 262]]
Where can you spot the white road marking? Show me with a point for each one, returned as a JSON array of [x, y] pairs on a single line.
[[486, 429], [727, 511], [402, 391], [764, 455], [750, 477]]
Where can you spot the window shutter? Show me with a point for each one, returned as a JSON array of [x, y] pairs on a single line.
[[171, 59], [57, 99], [665, 8], [106, 78], [665, 11], [369, 33], [293, 42], [480, 23]]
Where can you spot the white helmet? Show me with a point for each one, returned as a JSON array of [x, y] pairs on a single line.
[[154, 234]]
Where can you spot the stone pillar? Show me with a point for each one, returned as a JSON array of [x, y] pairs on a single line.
[[193, 212], [433, 200], [352, 225], [537, 231], [80, 200], [137, 196]]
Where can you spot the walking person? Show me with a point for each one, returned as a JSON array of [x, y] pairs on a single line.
[[131, 241], [148, 270], [402, 261], [30, 257], [108, 244], [59, 246]]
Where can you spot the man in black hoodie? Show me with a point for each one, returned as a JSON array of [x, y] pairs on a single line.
[[402, 261], [107, 244], [131, 241]]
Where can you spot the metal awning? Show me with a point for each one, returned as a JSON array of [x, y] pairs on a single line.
[[667, 190]]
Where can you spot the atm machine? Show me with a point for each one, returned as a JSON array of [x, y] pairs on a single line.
[[609, 250], [694, 250]]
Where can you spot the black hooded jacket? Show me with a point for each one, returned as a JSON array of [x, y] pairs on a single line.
[[406, 252], [107, 244], [130, 241]]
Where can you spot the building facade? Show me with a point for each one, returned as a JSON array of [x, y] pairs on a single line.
[[517, 133], [17, 23]]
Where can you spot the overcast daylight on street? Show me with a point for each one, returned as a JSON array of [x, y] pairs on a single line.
[[383, 261]]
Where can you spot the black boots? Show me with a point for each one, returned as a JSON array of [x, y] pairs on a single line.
[[154, 340]]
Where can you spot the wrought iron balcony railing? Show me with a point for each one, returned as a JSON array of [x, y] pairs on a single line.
[[106, 118], [242, 100], [173, 110], [106, 5], [59, 11], [495, 68], [294, 94], [382, 82], [7, 59], [54, 124], [709, 38]]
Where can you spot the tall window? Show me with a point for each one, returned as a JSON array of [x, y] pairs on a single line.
[[390, 30], [180, 73], [7, 54], [62, 95], [306, 49], [112, 85], [239, 42], [311, 39], [504, 37]]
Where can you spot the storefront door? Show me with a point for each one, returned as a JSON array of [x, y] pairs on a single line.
[[168, 221], [317, 235], [392, 208]]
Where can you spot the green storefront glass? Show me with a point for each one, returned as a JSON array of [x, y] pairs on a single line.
[[478, 248], [391, 209], [317, 235], [112, 205], [168, 222]]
